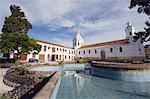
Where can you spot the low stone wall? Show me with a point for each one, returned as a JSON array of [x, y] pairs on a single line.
[[6, 65], [127, 58], [26, 91], [40, 72], [9, 83], [47, 90], [123, 73], [121, 66]]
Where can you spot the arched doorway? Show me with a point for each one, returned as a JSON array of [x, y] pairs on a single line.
[[103, 55], [53, 58]]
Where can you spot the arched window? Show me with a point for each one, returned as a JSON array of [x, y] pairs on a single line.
[[65, 56], [95, 51], [53, 49], [79, 52], [83, 52], [89, 51], [120, 49], [111, 50], [44, 48], [60, 57], [69, 51], [49, 47]]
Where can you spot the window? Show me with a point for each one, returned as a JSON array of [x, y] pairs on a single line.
[[48, 56], [78, 44], [69, 57], [63, 50], [44, 48], [69, 51], [60, 49], [120, 49], [49, 47], [72, 52], [83, 52], [79, 52], [60, 57], [53, 49], [95, 51], [130, 33], [56, 56], [65, 56], [111, 50], [41, 48], [57, 49], [89, 51]]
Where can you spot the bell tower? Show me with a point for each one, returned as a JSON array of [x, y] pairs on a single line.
[[78, 40], [129, 32]]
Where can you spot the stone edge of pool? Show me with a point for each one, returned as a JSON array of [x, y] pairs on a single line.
[[48, 90], [124, 72]]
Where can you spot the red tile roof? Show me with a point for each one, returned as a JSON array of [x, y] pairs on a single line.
[[53, 44], [117, 42]]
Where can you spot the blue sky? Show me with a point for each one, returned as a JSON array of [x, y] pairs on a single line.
[[57, 20]]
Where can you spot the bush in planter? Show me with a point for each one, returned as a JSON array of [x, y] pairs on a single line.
[[61, 62], [81, 61]]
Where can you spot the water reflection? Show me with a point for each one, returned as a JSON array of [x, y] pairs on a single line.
[[89, 87]]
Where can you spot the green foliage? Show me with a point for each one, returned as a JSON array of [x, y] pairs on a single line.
[[143, 7], [81, 61], [19, 42], [61, 63], [16, 22], [14, 37]]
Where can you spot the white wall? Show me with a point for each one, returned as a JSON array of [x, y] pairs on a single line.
[[57, 52], [128, 50]]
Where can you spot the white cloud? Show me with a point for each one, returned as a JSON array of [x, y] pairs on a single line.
[[98, 20], [104, 37], [63, 42], [39, 12], [57, 23]]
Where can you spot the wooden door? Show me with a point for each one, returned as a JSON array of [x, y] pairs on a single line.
[[53, 57], [23, 57], [41, 57], [103, 55]]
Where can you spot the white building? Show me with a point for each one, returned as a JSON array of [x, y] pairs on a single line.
[[51, 52], [125, 49]]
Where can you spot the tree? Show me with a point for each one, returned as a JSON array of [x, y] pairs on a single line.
[[143, 7], [14, 36], [16, 22]]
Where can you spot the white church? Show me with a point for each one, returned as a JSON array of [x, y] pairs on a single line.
[[125, 49]]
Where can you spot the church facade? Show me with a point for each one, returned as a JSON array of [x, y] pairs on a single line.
[[125, 49]]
